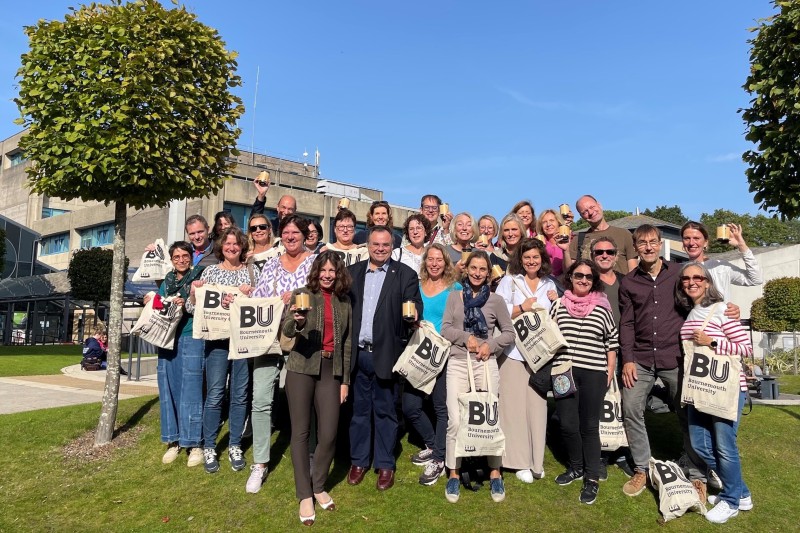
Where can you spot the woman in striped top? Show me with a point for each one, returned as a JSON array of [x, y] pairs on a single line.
[[584, 317], [714, 438]]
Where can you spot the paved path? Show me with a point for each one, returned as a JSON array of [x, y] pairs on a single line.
[[73, 386]]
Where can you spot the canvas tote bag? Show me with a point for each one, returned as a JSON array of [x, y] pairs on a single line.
[[479, 433], [676, 495], [254, 323], [424, 357], [211, 320], [158, 326], [536, 335], [154, 265], [711, 381], [612, 430]]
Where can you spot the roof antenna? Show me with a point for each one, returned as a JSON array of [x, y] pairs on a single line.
[[255, 102]]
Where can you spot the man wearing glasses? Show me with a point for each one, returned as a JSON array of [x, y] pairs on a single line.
[[649, 336], [591, 211], [429, 207]]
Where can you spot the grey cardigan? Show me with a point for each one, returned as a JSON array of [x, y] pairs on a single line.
[[496, 314], [305, 357]]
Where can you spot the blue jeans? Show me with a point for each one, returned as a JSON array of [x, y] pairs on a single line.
[[413, 409], [180, 389], [714, 440], [217, 366]]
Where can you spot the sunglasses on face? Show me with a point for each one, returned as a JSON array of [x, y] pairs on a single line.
[[598, 252], [257, 227], [692, 279], [581, 275]]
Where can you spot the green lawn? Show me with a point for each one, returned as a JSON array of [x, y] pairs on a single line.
[[789, 384], [40, 360], [134, 492]]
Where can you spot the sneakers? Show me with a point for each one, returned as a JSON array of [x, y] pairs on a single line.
[[538, 475], [603, 471], [210, 459], [236, 457], [526, 476], [635, 485], [623, 465], [173, 450], [714, 482], [568, 477], [745, 504], [433, 470], [589, 491], [702, 492], [497, 488], [422, 457], [195, 457], [721, 513], [257, 475], [451, 490]]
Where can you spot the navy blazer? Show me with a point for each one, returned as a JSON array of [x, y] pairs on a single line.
[[390, 332]]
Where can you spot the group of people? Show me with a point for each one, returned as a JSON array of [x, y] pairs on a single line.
[[622, 308]]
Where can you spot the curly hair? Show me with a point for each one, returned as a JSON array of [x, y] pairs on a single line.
[[419, 217], [597, 283], [241, 240], [515, 266], [449, 275], [343, 280]]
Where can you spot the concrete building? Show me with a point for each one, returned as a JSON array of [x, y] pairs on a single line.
[[64, 226]]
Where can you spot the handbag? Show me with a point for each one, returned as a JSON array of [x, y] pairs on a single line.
[[541, 381], [563, 380], [478, 431]]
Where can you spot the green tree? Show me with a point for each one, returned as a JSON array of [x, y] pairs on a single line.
[[89, 275], [757, 230], [773, 118], [127, 104], [608, 214], [672, 214]]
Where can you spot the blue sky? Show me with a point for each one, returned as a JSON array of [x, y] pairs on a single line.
[[488, 103]]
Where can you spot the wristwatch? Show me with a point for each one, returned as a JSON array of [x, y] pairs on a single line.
[[714, 344]]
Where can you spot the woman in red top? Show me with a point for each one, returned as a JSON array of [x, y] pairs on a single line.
[[318, 375]]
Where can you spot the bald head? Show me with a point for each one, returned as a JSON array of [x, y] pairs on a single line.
[[287, 205]]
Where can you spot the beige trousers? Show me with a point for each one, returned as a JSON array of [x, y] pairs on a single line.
[[523, 417]]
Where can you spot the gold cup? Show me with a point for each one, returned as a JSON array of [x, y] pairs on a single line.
[[484, 240], [444, 209], [302, 301], [344, 203], [541, 238], [409, 309], [563, 209], [723, 233], [465, 256], [263, 178], [563, 233], [497, 272]]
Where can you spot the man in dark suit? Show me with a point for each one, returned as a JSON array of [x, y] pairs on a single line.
[[380, 286]]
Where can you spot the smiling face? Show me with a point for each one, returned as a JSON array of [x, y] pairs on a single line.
[[313, 237], [292, 239], [694, 243], [511, 234], [416, 233], [604, 255], [198, 235], [464, 232], [532, 262], [590, 211], [327, 276], [344, 230], [525, 213], [380, 247], [477, 271], [486, 227], [430, 209], [649, 247], [262, 232], [287, 205], [549, 225], [231, 249], [181, 260], [581, 284], [434, 264], [380, 216], [694, 283]]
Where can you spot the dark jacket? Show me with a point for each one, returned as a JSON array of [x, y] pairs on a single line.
[[389, 331], [305, 357]]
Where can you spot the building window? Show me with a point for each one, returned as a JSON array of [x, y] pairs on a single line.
[[55, 244], [241, 213], [16, 158], [97, 236], [48, 212]]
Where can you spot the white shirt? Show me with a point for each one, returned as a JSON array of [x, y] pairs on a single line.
[[514, 290], [724, 274], [403, 255]]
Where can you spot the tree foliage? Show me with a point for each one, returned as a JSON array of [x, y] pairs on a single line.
[[782, 296], [773, 118], [757, 230], [127, 102], [608, 214], [89, 274], [672, 214]]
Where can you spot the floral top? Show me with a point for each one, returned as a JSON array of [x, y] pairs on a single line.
[[276, 280]]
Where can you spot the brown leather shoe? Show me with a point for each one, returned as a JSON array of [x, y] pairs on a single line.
[[356, 475], [385, 479]]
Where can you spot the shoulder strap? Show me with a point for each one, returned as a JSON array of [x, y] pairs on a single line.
[[708, 318], [581, 238], [251, 274]]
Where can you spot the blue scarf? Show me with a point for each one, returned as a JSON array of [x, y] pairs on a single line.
[[474, 321]]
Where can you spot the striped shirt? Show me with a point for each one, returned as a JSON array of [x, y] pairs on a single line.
[[731, 337], [590, 338]]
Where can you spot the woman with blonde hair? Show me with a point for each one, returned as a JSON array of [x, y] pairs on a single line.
[[557, 248]]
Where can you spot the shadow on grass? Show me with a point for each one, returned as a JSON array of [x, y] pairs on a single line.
[[790, 412], [136, 417]]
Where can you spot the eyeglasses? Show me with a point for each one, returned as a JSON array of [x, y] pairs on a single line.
[[651, 244], [261, 227], [181, 259], [430, 208], [598, 252], [581, 275], [345, 228], [313, 233], [686, 280]]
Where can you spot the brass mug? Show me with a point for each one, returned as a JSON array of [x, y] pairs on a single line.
[[302, 301], [563, 209], [263, 178], [344, 203], [409, 310], [564, 233], [723, 233], [465, 256], [444, 209], [497, 272], [484, 240]]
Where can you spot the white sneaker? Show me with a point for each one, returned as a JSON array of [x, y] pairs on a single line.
[[745, 504], [173, 450], [195, 457], [526, 476], [721, 513], [256, 479]]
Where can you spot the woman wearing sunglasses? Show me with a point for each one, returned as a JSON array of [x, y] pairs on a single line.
[[380, 214], [714, 438], [259, 237]]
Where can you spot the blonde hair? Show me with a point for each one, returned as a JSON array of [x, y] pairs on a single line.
[[471, 223], [250, 242], [449, 275], [553, 212]]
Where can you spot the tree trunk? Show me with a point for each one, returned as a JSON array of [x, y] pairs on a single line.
[[108, 413]]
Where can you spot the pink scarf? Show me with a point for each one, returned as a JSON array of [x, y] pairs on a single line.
[[581, 306]]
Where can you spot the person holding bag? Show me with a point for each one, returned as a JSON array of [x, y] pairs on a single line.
[[585, 319], [437, 281], [523, 412], [470, 317], [318, 376], [713, 437]]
